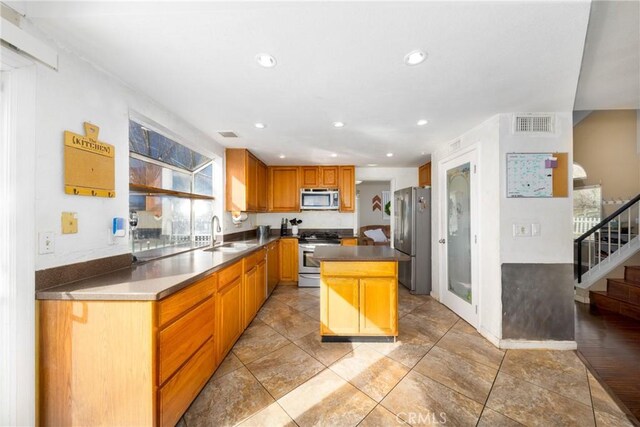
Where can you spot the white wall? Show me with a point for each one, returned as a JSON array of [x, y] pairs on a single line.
[[310, 219], [66, 98], [367, 190]]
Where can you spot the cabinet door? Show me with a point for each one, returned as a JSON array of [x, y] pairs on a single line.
[[329, 176], [261, 284], [249, 296], [424, 175], [289, 260], [378, 306], [236, 194], [347, 188], [273, 266], [349, 241], [339, 302], [252, 184], [309, 176], [262, 187], [230, 323], [284, 189]]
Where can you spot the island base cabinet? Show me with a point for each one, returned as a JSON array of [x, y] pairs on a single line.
[[378, 306], [339, 298]]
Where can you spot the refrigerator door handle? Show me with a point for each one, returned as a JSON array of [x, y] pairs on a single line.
[[442, 241]]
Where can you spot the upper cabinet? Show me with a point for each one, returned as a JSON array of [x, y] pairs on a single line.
[[319, 176], [284, 189], [246, 182], [347, 187], [424, 175]]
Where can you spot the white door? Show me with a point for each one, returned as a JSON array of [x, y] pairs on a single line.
[[458, 236]]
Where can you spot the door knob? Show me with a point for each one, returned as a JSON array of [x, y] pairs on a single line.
[[441, 241]]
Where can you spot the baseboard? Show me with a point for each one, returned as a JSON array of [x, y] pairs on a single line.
[[434, 295], [538, 345], [489, 336], [582, 298]]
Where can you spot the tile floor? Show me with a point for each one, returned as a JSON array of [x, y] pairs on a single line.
[[440, 371]]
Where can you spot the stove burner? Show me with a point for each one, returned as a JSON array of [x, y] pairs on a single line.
[[320, 237]]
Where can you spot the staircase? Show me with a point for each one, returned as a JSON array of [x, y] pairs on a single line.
[[622, 295]]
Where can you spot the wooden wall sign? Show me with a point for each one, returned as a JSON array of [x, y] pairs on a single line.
[[89, 165]]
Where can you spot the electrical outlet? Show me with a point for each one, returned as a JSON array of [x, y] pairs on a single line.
[[46, 242], [521, 230], [536, 230]]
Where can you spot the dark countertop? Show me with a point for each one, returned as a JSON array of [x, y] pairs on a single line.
[[151, 280], [358, 253]]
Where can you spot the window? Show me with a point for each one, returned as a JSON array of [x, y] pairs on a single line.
[[171, 192]]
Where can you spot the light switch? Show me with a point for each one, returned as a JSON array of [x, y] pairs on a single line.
[[521, 230], [535, 230], [69, 222]]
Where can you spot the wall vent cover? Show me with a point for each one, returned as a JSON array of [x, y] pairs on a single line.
[[228, 134], [534, 123]]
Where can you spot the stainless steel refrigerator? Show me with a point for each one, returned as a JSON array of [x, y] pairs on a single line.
[[412, 235]]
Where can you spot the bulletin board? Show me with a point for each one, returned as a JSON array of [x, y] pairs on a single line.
[[536, 175], [89, 165]]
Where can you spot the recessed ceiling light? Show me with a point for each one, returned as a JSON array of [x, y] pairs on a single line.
[[389, 154], [422, 122], [260, 125], [265, 60], [338, 124], [372, 164], [334, 155], [415, 57], [282, 156]]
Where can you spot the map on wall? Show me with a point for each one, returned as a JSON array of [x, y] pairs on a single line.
[[528, 175]]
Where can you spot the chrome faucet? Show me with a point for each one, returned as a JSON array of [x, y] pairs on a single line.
[[214, 229]]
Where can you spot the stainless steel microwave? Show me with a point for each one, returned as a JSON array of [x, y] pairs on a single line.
[[319, 199]]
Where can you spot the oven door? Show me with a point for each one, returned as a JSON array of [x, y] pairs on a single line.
[[306, 263]]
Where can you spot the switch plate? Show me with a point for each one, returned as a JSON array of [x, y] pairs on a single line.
[[69, 222], [521, 230], [46, 242], [536, 230]]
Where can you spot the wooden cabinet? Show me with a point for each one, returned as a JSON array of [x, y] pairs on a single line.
[[349, 241], [284, 189], [319, 176], [261, 284], [246, 181], [249, 296], [273, 266], [347, 187], [359, 298], [229, 304], [424, 175], [289, 260]]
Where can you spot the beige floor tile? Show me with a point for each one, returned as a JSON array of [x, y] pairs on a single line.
[[381, 417], [605, 419], [181, 423], [325, 352], [465, 376], [532, 405], [273, 310], [284, 369], [327, 400], [370, 371], [436, 313], [243, 397], [257, 341], [229, 364], [271, 416], [421, 400], [311, 310], [491, 418], [601, 399], [559, 371], [295, 325], [408, 302], [472, 346]]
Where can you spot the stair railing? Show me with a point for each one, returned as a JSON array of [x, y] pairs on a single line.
[[595, 236]]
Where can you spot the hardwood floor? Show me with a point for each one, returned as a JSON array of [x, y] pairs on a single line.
[[610, 343]]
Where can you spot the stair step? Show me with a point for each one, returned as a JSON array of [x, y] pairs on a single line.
[[632, 273], [624, 291], [605, 302]]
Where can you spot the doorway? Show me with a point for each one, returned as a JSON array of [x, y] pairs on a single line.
[[458, 230], [373, 206]]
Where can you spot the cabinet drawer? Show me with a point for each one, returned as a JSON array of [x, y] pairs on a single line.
[[260, 255], [173, 306], [183, 337], [359, 269], [177, 394], [229, 274], [250, 261]]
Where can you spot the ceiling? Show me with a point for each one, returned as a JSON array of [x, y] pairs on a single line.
[[337, 61]]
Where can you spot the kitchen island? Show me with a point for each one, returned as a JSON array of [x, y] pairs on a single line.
[[358, 291]]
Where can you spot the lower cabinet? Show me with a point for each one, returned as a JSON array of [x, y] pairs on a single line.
[[359, 298], [261, 284], [273, 266], [249, 298], [229, 302], [289, 260]]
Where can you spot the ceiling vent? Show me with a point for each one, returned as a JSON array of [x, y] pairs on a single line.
[[228, 134], [536, 123]]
